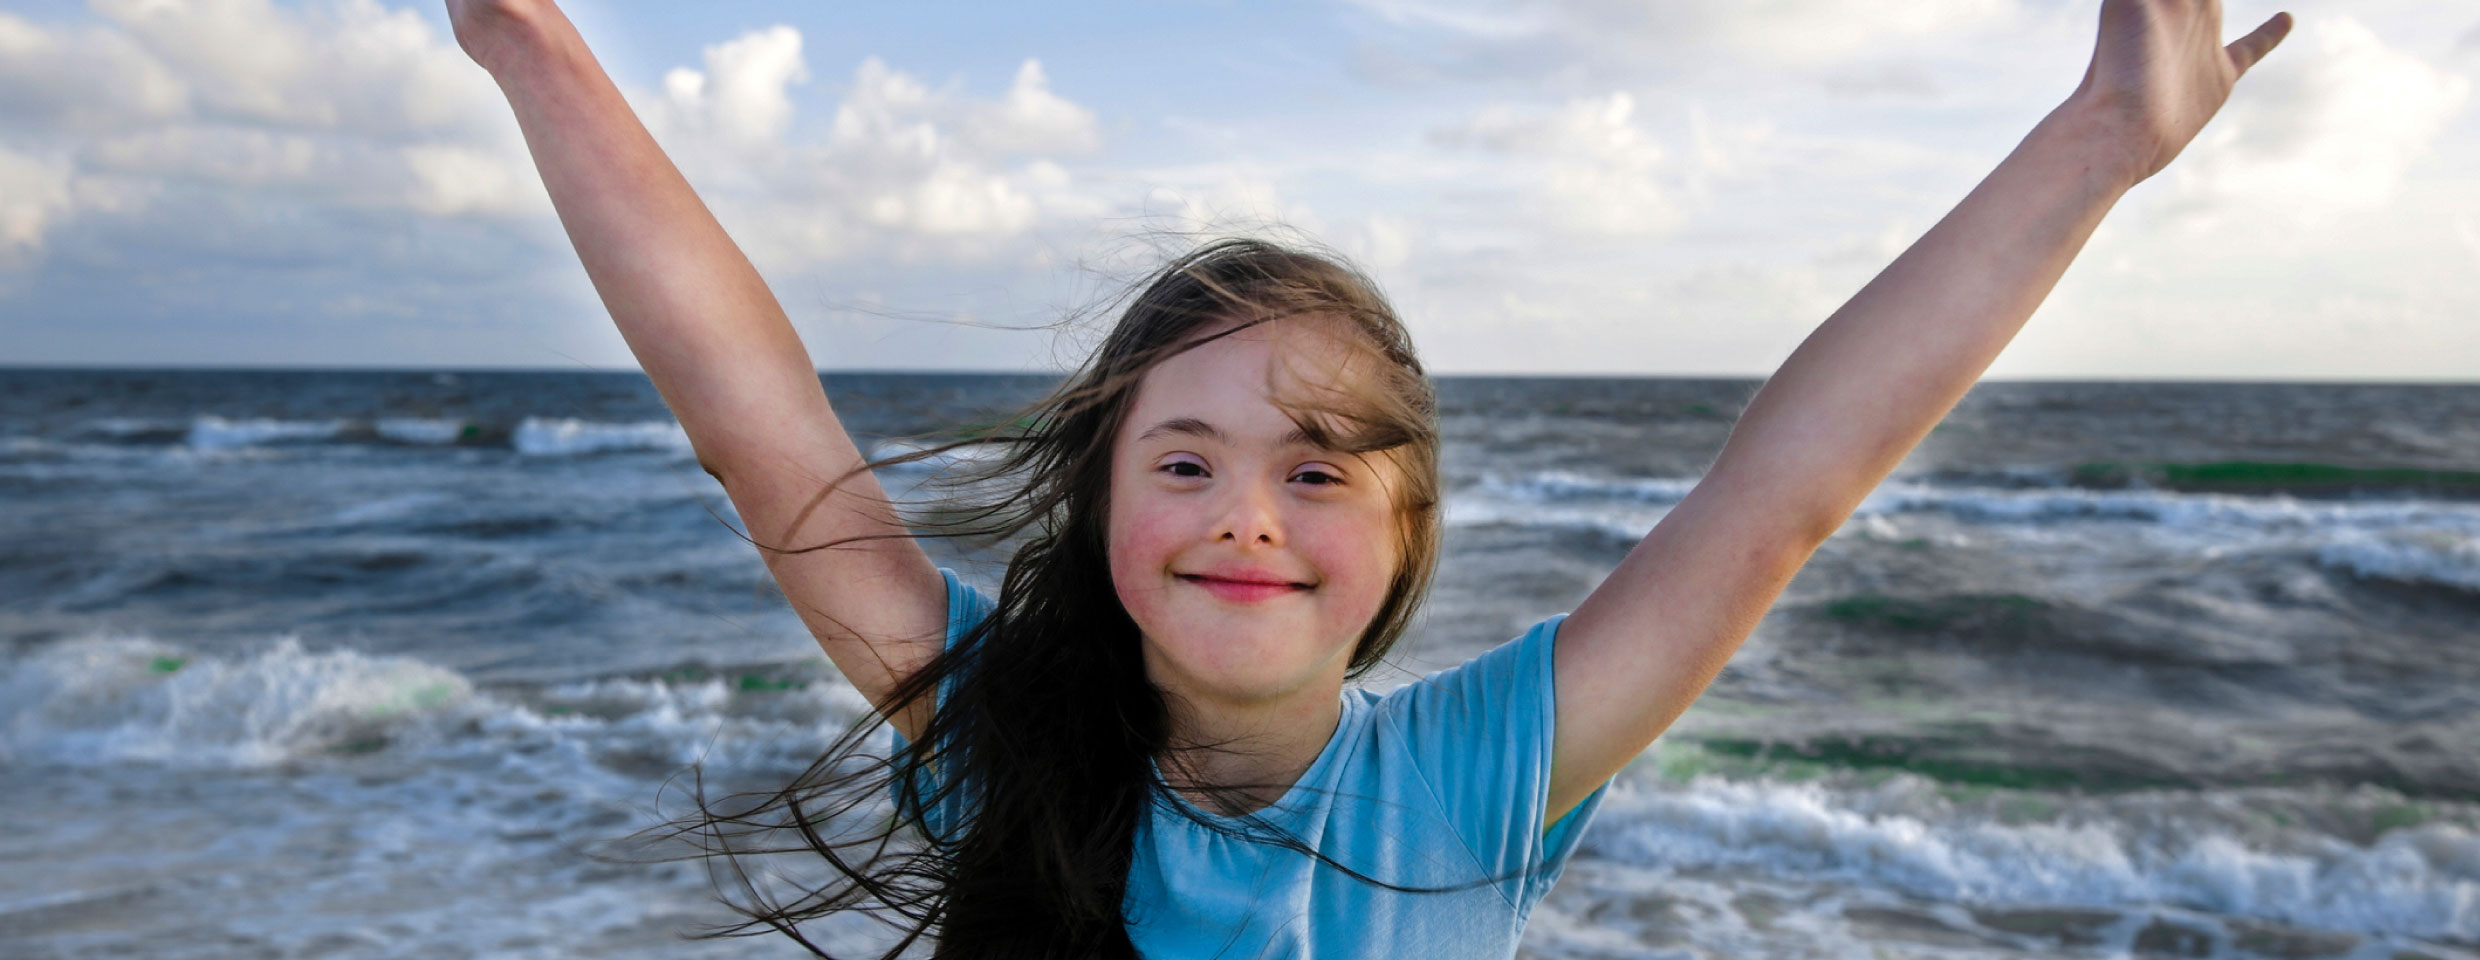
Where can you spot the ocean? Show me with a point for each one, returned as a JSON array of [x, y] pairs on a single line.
[[360, 664]]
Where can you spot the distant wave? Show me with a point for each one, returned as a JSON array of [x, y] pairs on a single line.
[[425, 431], [1995, 504], [568, 437], [2434, 542], [209, 433], [217, 433]]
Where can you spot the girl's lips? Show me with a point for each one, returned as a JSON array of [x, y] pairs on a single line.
[[1237, 591]]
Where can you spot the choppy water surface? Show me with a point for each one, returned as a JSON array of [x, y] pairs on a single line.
[[355, 664]]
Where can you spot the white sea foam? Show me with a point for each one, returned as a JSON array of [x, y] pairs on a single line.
[[217, 433], [458, 834], [568, 437], [2410, 555], [2422, 881], [119, 700], [420, 430], [123, 705]]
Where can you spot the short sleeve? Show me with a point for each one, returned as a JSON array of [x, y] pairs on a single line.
[[1481, 734], [966, 607]]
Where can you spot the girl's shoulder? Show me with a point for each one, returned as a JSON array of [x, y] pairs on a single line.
[[1516, 668]]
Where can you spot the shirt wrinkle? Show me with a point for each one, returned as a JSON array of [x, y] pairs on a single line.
[[1461, 841]]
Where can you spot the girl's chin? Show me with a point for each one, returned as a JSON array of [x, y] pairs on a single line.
[[1259, 671]]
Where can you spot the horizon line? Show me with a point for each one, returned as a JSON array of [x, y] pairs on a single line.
[[2195, 379]]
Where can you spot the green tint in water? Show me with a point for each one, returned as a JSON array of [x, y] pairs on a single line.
[[761, 683], [424, 697], [1894, 754], [2252, 476], [2396, 817]]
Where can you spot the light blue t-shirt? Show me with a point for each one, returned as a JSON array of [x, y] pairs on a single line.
[[1440, 782]]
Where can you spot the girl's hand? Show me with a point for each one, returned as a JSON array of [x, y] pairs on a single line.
[[489, 30], [2159, 71]]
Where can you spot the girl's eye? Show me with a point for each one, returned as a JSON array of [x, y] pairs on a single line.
[[1329, 481], [1174, 467]]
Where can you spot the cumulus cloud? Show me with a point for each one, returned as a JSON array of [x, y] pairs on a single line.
[[1590, 40], [32, 191], [349, 106], [82, 79], [351, 65], [1591, 166], [743, 96], [901, 168], [2334, 129], [352, 105], [1032, 119]]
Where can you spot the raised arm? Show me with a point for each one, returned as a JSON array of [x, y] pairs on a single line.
[[1870, 382], [718, 347]]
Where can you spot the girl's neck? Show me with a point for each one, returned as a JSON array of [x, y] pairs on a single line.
[[1261, 748]]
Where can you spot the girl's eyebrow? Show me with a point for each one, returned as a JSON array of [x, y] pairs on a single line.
[[1194, 427]]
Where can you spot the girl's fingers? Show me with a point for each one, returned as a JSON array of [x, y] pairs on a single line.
[[2245, 51]]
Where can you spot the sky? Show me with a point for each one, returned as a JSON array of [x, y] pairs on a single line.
[[1635, 187]]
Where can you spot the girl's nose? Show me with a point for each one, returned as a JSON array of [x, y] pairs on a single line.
[[1250, 516]]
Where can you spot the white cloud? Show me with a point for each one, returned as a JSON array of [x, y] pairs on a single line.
[[453, 180], [1225, 198], [1032, 119], [32, 191], [2334, 127], [350, 105], [1597, 171], [351, 65], [955, 199], [1615, 40], [1803, 32], [903, 170], [1380, 241], [743, 96], [85, 79]]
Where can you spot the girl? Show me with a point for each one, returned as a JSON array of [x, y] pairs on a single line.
[[1145, 744]]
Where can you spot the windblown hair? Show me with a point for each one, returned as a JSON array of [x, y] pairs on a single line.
[[1047, 726]]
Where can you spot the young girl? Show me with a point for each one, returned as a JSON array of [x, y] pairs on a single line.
[[1145, 744]]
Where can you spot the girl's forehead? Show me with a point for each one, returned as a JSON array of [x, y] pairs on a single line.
[[1232, 382]]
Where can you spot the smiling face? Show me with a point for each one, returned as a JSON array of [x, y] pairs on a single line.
[[1212, 487]]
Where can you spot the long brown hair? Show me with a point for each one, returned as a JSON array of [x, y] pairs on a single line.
[[1048, 725]]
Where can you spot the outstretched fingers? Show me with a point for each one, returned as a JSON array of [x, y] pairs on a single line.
[[2245, 51]]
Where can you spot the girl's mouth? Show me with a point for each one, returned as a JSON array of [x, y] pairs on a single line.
[[1242, 591]]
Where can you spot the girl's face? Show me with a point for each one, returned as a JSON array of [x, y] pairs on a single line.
[[1211, 487]]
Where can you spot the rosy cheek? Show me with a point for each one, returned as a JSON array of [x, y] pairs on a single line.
[[1141, 543]]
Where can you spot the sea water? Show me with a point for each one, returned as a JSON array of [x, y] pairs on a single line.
[[345, 664]]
